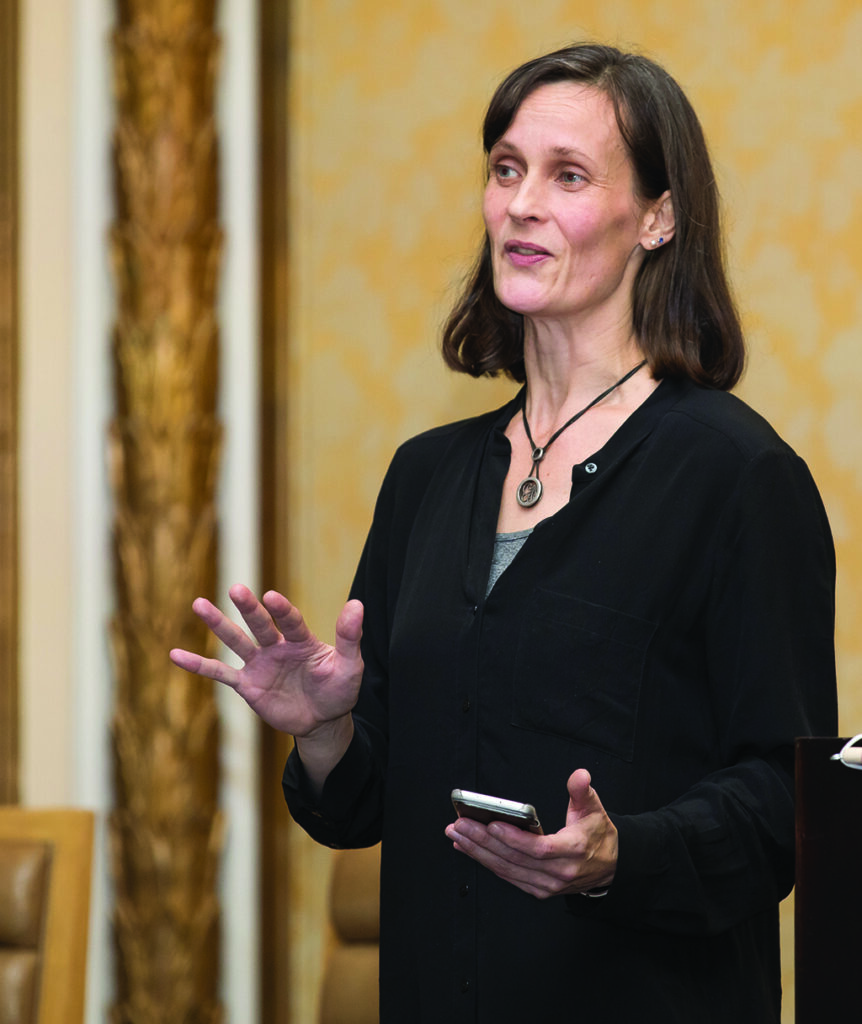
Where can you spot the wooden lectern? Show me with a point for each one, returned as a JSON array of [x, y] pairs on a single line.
[[828, 882]]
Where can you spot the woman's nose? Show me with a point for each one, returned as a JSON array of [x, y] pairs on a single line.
[[527, 201]]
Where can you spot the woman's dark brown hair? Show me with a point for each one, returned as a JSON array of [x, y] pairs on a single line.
[[683, 312]]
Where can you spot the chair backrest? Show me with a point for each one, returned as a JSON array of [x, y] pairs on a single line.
[[45, 866], [350, 984]]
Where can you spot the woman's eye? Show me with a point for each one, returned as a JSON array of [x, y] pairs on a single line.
[[571, 178], [504, 172]]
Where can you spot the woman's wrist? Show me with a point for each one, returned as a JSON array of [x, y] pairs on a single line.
[[321, 750]]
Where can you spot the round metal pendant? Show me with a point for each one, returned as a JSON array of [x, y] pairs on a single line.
[[529, 491]]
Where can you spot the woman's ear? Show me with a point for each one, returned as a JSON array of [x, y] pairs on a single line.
[[659, 223]]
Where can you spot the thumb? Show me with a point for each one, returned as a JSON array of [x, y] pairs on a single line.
[[583, 799], [348, 629]]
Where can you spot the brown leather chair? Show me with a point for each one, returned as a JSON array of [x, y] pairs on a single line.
[[45, 864], [350, 984]]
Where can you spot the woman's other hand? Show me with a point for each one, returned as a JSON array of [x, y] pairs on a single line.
[[581, 857], [293, 681]]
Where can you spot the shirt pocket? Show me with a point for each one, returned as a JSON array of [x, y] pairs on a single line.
[[578, 672]]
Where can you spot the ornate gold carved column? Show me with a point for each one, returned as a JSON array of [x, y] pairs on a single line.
[[164, 449], [8, 401]]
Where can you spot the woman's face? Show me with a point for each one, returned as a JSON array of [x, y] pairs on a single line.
[[563, 220]]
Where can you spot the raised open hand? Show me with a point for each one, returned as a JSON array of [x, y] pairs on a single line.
[[291, 679]]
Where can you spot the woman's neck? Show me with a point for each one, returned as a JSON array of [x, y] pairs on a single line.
[[565, 373]]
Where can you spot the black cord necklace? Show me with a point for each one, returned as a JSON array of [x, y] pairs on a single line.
[[530, 488]]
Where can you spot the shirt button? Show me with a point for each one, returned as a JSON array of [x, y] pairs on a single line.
[[466, 705], [591, 467], [464, 891], [465, 984]]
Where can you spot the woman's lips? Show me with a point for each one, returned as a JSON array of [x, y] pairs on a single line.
[[525, 254]]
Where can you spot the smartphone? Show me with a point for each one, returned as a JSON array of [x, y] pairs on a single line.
[[492, 808]]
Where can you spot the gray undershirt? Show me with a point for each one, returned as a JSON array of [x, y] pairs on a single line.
[[506, 546]]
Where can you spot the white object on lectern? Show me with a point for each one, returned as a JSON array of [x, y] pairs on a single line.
[[850, 755]]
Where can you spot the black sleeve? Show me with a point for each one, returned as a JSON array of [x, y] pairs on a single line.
[[724, 851], [349, 811]]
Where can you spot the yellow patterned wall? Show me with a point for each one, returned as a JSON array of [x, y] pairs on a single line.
[[386, 179]]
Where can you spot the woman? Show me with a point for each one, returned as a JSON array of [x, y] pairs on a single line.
[[612, 598]]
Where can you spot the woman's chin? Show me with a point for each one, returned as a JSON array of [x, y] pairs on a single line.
[[525, 302]]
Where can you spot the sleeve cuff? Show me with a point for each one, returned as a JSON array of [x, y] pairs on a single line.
[[328, 817], [641, 866]]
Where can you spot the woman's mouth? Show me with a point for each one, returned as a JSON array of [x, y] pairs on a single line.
[[524, 254]]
